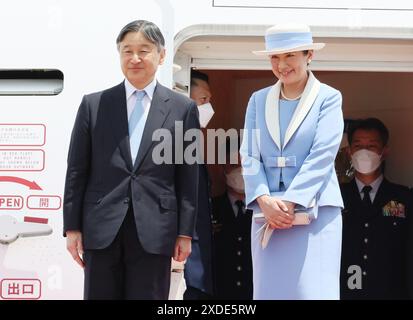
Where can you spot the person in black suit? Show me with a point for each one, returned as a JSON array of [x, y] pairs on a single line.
[[129, 211], [232, 235], [375, 212], [198, 267]]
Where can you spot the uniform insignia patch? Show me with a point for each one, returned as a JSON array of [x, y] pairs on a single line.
[[394, 209]]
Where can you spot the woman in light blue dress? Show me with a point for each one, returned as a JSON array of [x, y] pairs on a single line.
[[292, 134]]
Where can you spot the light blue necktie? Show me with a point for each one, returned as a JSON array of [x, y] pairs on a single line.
[[136, 125]]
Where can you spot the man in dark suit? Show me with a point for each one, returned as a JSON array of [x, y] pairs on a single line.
[[126, 209], [374, 252], [232, 236], [198, 267]]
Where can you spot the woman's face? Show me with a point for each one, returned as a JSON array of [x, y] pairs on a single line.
[[291, 67]]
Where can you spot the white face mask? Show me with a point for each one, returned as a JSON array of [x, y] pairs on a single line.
[[365, 161], [235, 180], [205, 114]]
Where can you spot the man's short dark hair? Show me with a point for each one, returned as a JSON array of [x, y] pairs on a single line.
[[150, 31], [369, 124], [195, 74]]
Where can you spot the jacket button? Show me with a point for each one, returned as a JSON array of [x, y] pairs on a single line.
[[133, 176], [238, 283], [366, 240], [366, 225], [364, 273], [365, 257], [126, 200], [239, 268]]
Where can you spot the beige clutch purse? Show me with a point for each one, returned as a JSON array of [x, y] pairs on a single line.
[[303, 216]]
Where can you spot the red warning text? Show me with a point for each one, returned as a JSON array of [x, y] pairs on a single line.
[[11, 202]]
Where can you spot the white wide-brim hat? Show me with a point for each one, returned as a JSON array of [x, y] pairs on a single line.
[[288, 38]]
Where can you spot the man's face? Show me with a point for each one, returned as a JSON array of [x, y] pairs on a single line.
[[201, 93], [367, 139], [139, 59]]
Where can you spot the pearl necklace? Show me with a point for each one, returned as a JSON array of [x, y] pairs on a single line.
[[290, 99]]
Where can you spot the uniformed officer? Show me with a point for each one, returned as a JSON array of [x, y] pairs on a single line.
[[374, 250], [198, 268], [232, 238]]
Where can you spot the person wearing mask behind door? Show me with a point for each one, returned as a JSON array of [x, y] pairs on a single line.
[[374, 220], [198, 267], [232, 236]]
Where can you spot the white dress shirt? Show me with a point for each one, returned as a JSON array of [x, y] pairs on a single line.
[[131, 98], [374, 187], [146, 103], [232, 200]]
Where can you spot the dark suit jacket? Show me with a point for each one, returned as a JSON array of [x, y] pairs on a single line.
[[375, 241], [102, 182], [233, 263], [198, 267]]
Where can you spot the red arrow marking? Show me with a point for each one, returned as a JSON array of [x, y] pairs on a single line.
[[36, 220], [31, 184]]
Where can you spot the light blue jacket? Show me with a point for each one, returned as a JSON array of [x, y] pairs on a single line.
[[306, 159]]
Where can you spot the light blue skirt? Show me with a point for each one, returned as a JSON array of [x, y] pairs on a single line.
[[300, 263]]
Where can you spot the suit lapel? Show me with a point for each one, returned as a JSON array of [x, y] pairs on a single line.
[[157, 115], [272, 113], [229, 213], [118, 117], [355, 194], [382, 194], [306, 102], [272, 117]]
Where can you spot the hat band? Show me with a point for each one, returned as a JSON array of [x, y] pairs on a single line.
[[280, 41]]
